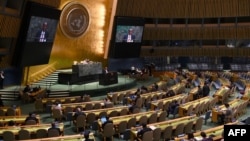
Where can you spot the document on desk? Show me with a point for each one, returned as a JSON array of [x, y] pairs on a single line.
[[152, 127]]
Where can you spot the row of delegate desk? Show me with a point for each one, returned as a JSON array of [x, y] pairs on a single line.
[[19, 120], [234, 104], [162, 125], [179, 97], [31, 128], [177, 88], [183, 108], [5, 109], [77, 137], [118, 119]]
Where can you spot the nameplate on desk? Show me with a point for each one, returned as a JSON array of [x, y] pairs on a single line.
[[236, 132]]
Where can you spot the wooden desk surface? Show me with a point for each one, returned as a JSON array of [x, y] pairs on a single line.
[[234, 103], [108, 110], [223, 90], [116, 120], [224, 81], [130, 91], [146, 95], [165, 124], [62, 99], [168, 99], [77, 137], [217, 131], [83, 104], [31, 128], [177, 87], [17, 119]]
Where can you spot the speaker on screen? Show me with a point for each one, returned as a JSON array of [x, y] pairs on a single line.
[[126, 37], [36, 35]]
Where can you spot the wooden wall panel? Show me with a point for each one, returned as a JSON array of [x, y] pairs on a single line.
[[244, 9], [227, 33], [52, 3], [196, 9], [210, 10], [229, 8], [183, 8], [243, 33]]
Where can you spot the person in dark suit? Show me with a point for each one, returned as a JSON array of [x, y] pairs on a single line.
[[27, 89], [105, 70], [144, 129], [31, 116], [108, 121], [42, 34], [172, 107], [1, 79], [53, 126], [205, 90], [129, 38]]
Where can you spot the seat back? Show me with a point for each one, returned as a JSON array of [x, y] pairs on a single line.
[[123, 112], [53, 133], [136, 110], [2, 112], [81, 121], [97, 106], [109, 105], [160, 105], [139, 102], [108, 130], [11, 111], [167, 133], [152, 118], [41, 133], [113, 113], [162, 116], [90, 118], [131, 123], [120, 97], [198, 124], [179, 129], [8, 136], [189, 110], [89, 106], [103, 113], [143, 119], [147, 136], [57, 114], [122, 126], [23, 134], [30, 122], [39, 105], [188, 127], [157, 134]]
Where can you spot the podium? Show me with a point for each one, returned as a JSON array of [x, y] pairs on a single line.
[[74, 78], [108, 79]]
